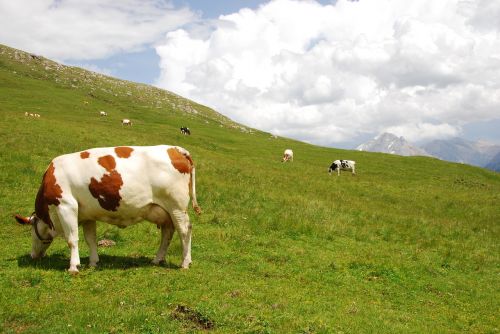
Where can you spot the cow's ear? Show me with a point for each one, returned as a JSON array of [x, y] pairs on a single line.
[[23, 220]]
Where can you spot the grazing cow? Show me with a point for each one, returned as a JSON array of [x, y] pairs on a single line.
[[185, 131], [126, 121], [287, 156], [117, 185], [103, 113], [26, 114], [339, 165]]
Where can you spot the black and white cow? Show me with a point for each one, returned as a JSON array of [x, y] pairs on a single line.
[[339, 165], [185, 131]]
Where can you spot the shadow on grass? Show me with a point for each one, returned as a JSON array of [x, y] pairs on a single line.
[[60, 262]]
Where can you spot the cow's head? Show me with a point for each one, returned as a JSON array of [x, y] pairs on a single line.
[[333, 168], [41, 234]]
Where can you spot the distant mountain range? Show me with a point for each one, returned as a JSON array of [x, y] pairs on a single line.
[[463, 151], [478, 153], [494, 164], [389, 143]]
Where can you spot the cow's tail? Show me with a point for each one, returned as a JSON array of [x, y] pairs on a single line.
[[192, 190], [192, 179]]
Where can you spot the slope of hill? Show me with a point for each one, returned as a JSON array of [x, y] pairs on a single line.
[[389, 143], [410, 244], [99, 90]]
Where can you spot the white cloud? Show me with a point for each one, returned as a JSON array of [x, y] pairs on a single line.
[[424, 131], [330, 73], [90, 29]]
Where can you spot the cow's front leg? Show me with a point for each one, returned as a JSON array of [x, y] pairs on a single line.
[[68, 218], [183, 227], [74, 262], [167, 231], [89, 232]]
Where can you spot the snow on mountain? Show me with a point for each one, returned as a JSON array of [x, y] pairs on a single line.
[[389, 143]]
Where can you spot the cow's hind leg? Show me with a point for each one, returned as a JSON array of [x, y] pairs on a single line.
[[183, 226], [89, 231], [68, 217], [167, 231]]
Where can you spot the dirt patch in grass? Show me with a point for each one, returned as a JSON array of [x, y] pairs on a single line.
[[188, 315], [15, 327]]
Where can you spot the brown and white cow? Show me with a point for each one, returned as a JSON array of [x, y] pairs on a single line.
[[118, 185], [287, 155]]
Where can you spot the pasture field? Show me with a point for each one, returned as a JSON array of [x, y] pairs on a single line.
[[409, 245]]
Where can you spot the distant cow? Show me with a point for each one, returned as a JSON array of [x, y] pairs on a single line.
[[103, 113], [126, 121], [339, 165], [185, 131], [117, 185], [287, 155]]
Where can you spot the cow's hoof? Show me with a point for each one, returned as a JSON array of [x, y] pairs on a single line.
[[73, 271], [157, 261], [185, 265]]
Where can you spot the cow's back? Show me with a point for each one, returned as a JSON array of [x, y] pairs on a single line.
[[115, 183]]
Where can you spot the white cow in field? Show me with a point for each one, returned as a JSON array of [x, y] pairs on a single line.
[[287, 155], [117, 185], [126, 121], [103, 113], [339, 165]]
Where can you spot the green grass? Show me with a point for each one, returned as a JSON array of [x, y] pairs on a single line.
[[408, 245]]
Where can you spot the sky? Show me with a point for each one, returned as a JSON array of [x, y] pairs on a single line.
[[332, 73]]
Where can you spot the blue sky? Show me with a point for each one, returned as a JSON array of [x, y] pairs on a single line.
[[333, 73], [213, 9]]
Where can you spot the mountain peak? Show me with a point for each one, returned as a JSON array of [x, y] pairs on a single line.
[[390, 143]]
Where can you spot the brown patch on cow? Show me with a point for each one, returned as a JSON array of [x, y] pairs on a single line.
[[49, 193], [107, 189], [108, 162], [84, 155], [123, 151], [181, 162]]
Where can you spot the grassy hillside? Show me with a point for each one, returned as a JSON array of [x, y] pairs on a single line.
[[408, 245]]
